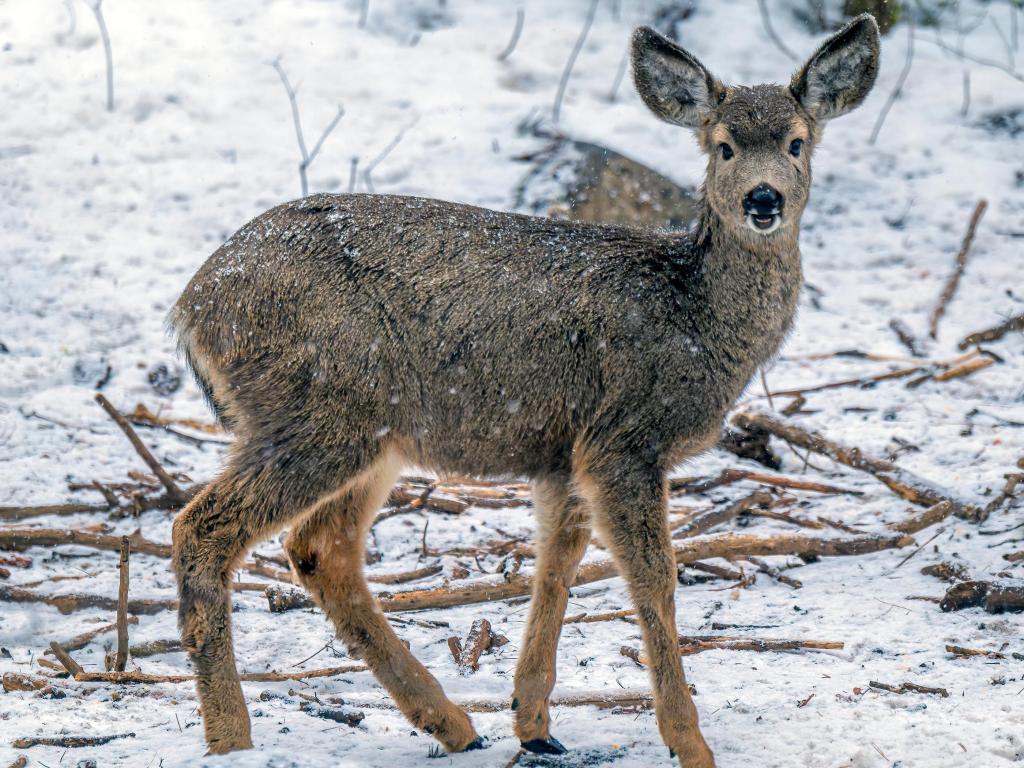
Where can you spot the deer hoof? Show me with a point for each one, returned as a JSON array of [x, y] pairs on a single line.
[[477, 743], [548, 746]]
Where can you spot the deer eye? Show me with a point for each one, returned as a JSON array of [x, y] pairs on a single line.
[[727, 152], [795, 146]]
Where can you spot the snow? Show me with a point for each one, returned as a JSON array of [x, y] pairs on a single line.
[[106, 215]]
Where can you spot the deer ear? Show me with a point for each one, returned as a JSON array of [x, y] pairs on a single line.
[[672, 83], [839, 76]]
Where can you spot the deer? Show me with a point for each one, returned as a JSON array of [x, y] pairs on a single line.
[[343, 338]]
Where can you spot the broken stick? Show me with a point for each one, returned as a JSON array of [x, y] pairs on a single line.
[[993, 334], [121, 660]]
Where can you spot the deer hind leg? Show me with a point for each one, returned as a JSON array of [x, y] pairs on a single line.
[[252, 498], [327, 552], [630, 512], [564, 532]]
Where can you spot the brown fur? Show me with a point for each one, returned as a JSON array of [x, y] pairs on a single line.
[[342, 337]]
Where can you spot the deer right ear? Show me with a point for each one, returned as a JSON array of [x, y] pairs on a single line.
[[672, 83]]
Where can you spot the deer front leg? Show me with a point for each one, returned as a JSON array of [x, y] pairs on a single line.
[[564, 531], [630, 511]]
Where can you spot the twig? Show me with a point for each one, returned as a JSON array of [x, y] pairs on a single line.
[[165, 479], [571, 61], [728, 476], [1015, 323], [121, 661], [620, 74], [516, 31], [307, 157], [767, 22], [898, 89], [909, 688], [961, 263], [364, 13], [478, 641], [590, 618], [905, 484], [919, 548], [97, 10], [775, 573], [368, 171], [906, 336]]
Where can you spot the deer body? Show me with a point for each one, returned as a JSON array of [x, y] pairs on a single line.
[[484, 343], [342, 337]]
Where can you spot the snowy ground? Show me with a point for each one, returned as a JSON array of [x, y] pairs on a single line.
[[106, 215]]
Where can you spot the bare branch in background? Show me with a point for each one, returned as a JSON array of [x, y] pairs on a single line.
[[368, 173], [516, 32], [72, 16], [899, 85], [770, 30], [97, 10], [364, 13], [620, 73], [307, 157], [352, 174], [571, 61]]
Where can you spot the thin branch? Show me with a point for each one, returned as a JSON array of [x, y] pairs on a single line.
[[165, 479], [307, 157], [949, 289], [571, 61], [516, 32], [97, 10], [767, 22], [898, 89], [368, 171], [992, 334], [620, 73]]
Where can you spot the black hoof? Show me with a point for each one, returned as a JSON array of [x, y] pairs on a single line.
[[549, 746], [477, 743]]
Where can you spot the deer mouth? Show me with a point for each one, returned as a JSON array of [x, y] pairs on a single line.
[[764, 223]]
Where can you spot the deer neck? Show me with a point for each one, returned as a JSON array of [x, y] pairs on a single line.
[[748, 285]]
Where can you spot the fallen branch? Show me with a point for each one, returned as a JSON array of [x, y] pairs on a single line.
[[480, 639], [709, 520], [65, 659], [689, 646], [729, 476], [69, 742], [80, 641], [165, 479], [949, 289], [70, 603], [905, 484], [992, 596], [992, 334], [909, 688], [775, 573], [126, 678], [959, 650], [929, 517], [590, 618], [729, 546]]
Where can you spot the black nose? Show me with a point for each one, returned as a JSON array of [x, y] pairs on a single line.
[[763, 200]]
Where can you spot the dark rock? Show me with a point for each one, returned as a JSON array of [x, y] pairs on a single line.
[[164, 379]]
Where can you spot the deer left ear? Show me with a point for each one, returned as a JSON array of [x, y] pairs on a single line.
[[840, 74]]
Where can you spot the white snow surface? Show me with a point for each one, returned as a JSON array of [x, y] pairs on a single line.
[[105, 215]]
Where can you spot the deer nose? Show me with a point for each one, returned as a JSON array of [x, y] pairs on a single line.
[[763, 200]]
